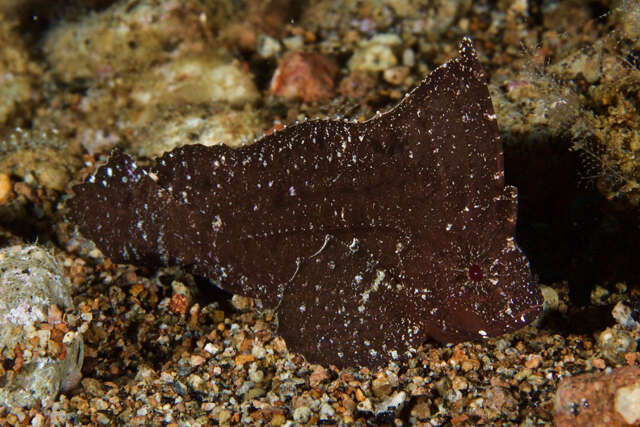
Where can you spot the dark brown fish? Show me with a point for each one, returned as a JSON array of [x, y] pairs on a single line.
[[367, 238]]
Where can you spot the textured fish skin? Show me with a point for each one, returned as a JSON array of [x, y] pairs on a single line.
[[367, 238]]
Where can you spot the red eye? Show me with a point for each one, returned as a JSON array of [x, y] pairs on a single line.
[[475, 273]]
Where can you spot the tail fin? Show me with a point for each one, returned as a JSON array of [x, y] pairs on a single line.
[[132, 219]]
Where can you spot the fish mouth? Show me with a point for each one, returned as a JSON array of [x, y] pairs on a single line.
[[513, 324], [526, 316]]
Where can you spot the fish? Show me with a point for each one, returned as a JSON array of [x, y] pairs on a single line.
[[367, 239]]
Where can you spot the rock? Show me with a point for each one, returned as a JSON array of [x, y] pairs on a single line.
[[381, 385], [375, 54], [326, 412], [357, 85], [580, 64], [421, 410], [599, 295], [293, 43], [627, 402], [241, 303], [147, 71], [551, 299], [240, 35], [255, 375], [38, 360], [624, 316], [534, 104], [122, 38], [441, 18], [201, 79], [18, 77], [614, 343], [302, 414], [497, 401], [599, 399], [627, 17], [224, 416], [318, 376], [391, 405], [408, 57], [305, 76], [396, 75], [5, 188], [278, 420], [366, 407], [39, 158], [268, 47], [168, 129]]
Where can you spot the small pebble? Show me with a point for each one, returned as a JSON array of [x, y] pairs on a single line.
[[318, 375], [421, 411], [294, 42], [381, 386], [241, 359], [374, 58], [624, 316], [224, 416], [551, 299], [302, 414], [197, 360], [303, 76], [599, 295], [268, 47], [5, 188], [614, 343], [408, 57], [396, 75], [211, 348], [326, 412], [278, 420], [627, 402], [258, 351], [256, 376], [392, 404]]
